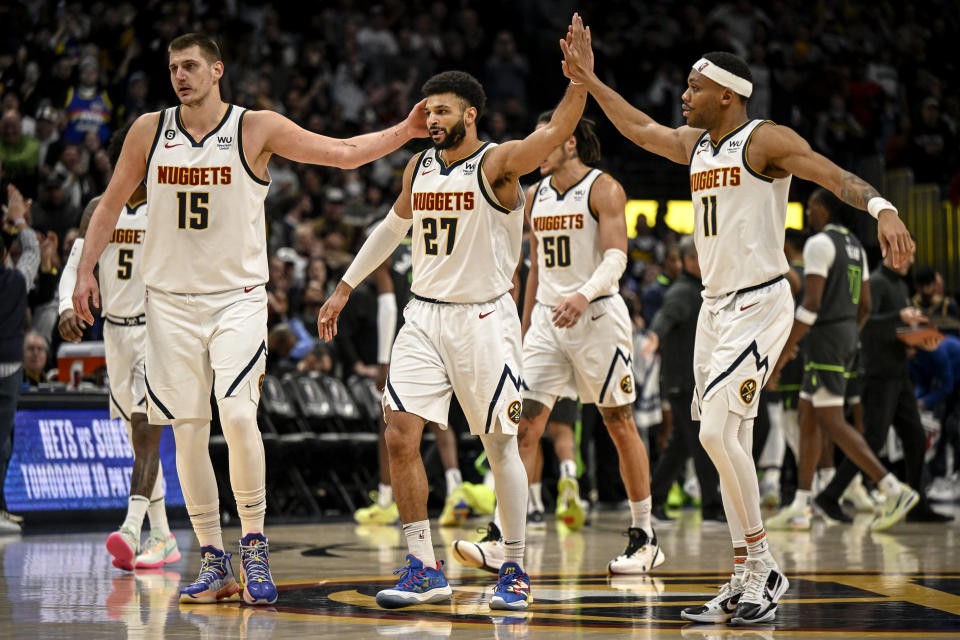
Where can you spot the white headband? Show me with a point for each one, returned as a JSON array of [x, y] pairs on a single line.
[[723, 77]]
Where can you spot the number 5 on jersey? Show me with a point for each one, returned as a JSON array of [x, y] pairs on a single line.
[[709, 215], [198, 209]]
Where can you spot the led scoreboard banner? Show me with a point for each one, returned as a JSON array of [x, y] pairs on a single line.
[[68, 454]]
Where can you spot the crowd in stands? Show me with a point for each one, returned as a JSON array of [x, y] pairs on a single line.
[[871, 85]]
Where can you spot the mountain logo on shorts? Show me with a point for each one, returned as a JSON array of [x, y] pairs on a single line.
[[626, 385], [748, 390], [513, 411]]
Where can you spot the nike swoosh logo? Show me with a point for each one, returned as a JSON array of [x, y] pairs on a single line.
[[426, 172], [484, 315], [744, 308], [249, 289], [171, 146], [599, 316]]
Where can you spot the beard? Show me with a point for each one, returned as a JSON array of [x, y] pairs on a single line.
[[454, 136]]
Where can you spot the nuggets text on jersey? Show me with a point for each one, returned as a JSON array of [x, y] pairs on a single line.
[[443, 201], [720, 177], [193, 176], [558, 223]]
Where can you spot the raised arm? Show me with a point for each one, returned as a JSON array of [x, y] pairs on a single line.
[[635, 125], [267, 133], [376, 248], [130, 171], [781, 149], [513, 159]]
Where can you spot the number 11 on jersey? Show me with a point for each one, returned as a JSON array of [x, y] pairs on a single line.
[[709, 216]]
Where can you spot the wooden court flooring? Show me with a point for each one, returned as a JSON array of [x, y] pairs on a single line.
[[845, 582]]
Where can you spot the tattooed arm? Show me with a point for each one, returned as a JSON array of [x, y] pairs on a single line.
[[781, 151]]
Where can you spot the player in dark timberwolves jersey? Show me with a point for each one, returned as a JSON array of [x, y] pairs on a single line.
[[740, 171], [462, 331], [204, 265], [837, 289]]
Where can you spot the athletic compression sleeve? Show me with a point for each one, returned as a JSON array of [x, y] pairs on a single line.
[[606, 275], [379, 245], [68, 279], [386, 325]]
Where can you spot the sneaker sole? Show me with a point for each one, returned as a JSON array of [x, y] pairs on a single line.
[[123, 555], [658, 560], [899, 515], [395, 601], [462, 553], [707, 617], [170, 559], [499, 604], [767, 617], [222, 593]]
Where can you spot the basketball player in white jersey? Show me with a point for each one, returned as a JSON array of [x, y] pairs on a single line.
[[124, 335], [580, 337], [740, 171], [204, 265], [462, 331]]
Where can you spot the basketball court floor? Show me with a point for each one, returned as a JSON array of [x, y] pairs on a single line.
[[846, 582]]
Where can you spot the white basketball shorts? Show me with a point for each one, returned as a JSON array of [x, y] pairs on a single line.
[[472, 350], [126, 351], [196, 342], [592, 359], [739, 338]]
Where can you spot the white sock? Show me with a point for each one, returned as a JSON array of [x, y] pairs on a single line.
[[454, 480], [802, 499], [419, 543], [739, 569], [568, 469], [772, 475], [757, 546], [513, 552], [157, 512], [488, 479], [536, 498], [889, 485], [640, 513], [384, 495], [136, 510]]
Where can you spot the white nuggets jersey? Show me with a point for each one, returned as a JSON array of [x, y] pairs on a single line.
[[466, 245], [568, 238], [206, 224], [739, 214], [121, 282]]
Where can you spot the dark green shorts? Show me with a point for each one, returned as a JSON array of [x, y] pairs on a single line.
[[828, 357]]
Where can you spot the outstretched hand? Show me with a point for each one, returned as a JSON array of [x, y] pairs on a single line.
[[893, 236], [577, 50], [327, 318], [417, 121]]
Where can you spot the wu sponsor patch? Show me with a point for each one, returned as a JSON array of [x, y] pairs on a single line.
[[748, 389], [626, 384], [513, 411]]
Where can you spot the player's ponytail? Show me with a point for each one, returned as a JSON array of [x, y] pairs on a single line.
[[588, 144]]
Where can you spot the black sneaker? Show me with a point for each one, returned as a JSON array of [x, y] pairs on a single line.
[[762, 589], [713, 516], [536, 522], [924, 513], [829, 509]]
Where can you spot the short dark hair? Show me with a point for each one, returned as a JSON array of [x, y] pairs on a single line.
[[461, 84], [115, 146], [924, 275], [730, 62], [588, 145], [839, 212], [208, 48]]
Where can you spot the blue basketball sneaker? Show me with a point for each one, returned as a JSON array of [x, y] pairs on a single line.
[[512, 592], [417, 585], [258, 587], [215, 582]]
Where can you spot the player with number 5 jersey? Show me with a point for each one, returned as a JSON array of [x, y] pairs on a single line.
[[204, 264], [739, 175]]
